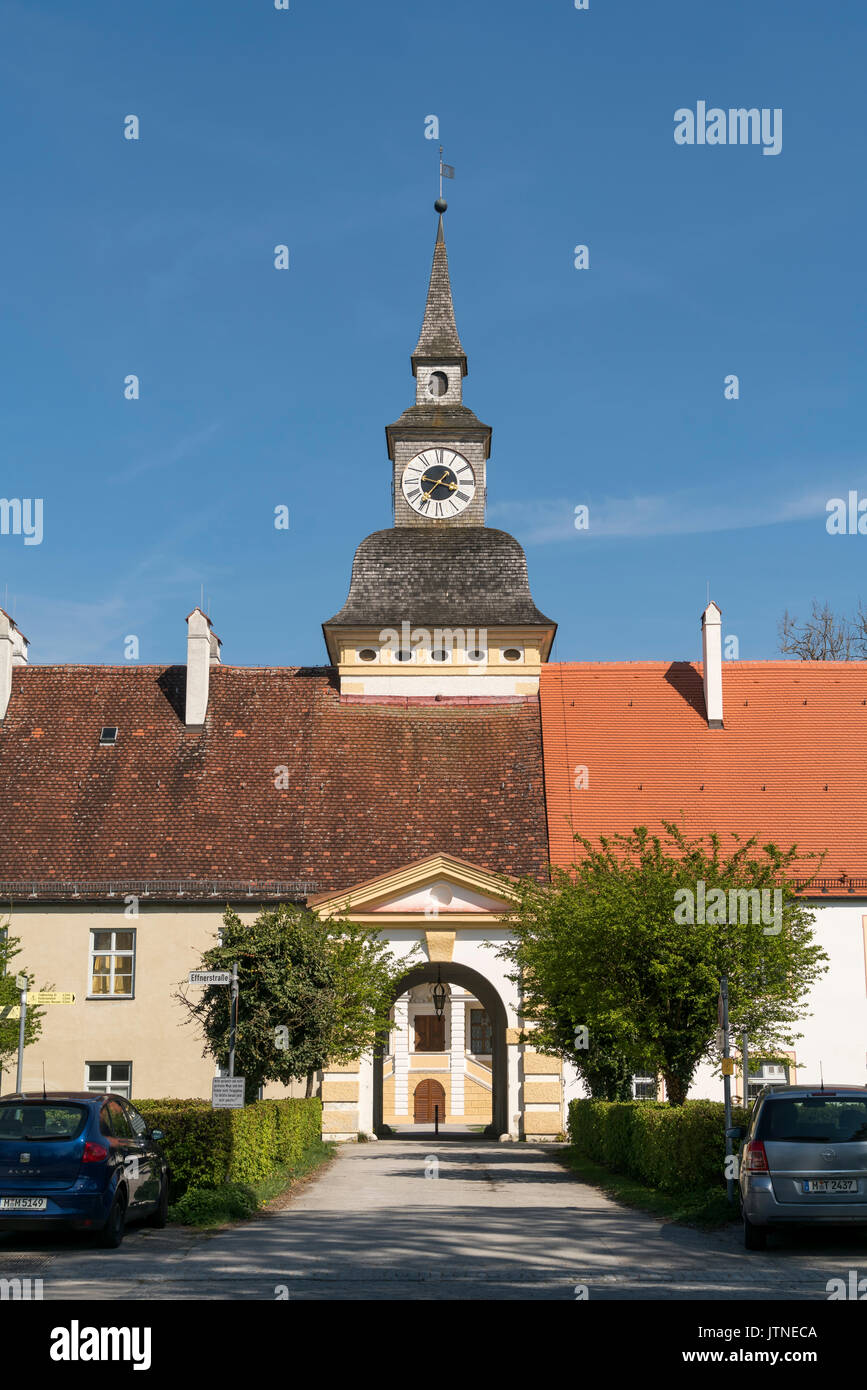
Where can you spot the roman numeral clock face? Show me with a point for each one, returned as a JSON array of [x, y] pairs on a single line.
[[438, 483]]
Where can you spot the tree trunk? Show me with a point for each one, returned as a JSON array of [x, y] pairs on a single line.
[[310, 1078], [676, 1088]]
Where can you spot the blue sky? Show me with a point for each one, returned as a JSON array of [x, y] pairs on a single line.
[[259, 387]]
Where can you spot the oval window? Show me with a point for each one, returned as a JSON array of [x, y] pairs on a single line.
[[512, 654], [368, 654], [439, 655], [404, 655], [438, 384], [477, 655]]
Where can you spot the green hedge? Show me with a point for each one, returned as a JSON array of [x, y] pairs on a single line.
[[207, 1148], [672, 1148]]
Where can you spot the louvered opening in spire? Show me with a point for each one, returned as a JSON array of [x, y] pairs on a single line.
[[438, 340]]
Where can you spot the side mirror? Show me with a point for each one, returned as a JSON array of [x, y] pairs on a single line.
[[156, 1135], [736, 1132]]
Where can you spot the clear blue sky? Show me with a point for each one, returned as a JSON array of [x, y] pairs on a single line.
[[261, 387]]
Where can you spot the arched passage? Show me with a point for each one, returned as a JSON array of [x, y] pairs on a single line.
[[452, 973]]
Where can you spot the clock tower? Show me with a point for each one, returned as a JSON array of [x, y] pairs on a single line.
[[439, 605], [439, 449]]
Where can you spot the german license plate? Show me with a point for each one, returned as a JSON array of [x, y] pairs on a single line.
[[829, 1185], [23, 1203]]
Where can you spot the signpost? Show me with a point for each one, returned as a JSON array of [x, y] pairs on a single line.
[[227, 1092], [21, 983], [727, 1069], [19, 1012]]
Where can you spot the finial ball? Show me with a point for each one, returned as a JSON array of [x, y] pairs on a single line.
[[440, 205]]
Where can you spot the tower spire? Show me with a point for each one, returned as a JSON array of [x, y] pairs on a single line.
[[439, 341]]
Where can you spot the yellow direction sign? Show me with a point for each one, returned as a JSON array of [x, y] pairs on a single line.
[[50, 996], [9, 1012]]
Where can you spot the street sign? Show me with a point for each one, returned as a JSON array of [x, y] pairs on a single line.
[[728, 1066], [50, 996], [21, 982], [210, 977], [227, 1093]]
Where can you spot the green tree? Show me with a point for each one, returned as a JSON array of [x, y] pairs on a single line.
[[311, 991], [10, 994], [605, 945]]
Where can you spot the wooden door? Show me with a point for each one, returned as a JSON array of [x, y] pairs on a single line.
[[430, 1033], [427, 1095]]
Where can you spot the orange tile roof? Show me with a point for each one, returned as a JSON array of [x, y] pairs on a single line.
[[789, 765]]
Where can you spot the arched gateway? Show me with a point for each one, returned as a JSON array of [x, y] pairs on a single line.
[[456, 1049], [444, 916]]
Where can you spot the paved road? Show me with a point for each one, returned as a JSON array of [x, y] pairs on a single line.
[[499, 1221]]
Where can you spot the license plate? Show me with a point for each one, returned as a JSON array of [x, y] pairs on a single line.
[[23, 1203], [831, 1185]]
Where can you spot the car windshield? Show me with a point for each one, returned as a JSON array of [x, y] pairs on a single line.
[[814, 1120], [45, 1121]]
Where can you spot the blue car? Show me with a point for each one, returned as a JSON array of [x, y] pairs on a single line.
[[81, 1160]]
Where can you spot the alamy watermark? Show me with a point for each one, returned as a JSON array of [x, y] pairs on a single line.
[[712, 125], [22, 516], [739, 907]]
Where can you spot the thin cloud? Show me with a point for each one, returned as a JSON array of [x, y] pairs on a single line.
[[541, 522]]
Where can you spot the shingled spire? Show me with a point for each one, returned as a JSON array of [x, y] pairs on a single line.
[[438, 341]]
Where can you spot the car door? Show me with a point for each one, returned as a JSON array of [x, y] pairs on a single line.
[[149, 1157], [125, 1148]]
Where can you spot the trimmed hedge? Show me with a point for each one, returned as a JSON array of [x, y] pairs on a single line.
[[673, 1148], [207, 1148]]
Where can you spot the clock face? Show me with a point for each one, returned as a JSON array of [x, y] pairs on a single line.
[[438, 483]]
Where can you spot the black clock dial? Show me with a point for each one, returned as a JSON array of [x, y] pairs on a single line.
[[438, 483]]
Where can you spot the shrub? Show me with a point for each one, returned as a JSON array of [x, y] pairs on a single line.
[[208, 1206], [207, 1148], [673, 1148]]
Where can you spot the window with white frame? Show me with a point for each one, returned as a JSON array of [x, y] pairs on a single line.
[[112, 964], [109, 1076], [644, 1088], [763, 1074]]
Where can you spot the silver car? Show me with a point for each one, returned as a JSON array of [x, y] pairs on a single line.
[[803, 1159]]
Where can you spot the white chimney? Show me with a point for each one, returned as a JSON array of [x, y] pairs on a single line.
[[203, 652], [711, 655], [13, 652]]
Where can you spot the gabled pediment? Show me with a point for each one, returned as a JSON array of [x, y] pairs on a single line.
[[439, 887]]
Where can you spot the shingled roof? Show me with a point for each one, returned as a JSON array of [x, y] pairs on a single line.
[[449, 576], [370, 788], [788, 766], [438, 340]]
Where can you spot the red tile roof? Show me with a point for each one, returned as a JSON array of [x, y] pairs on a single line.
[[789, 765], [370, 787]]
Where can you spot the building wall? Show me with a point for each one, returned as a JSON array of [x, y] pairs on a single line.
[[148, 1030]]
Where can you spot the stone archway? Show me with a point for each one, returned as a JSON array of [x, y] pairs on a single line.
[[452, 973]]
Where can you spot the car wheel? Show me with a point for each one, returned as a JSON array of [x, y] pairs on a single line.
[[112, 1231], [160, 1217], [755, 1237]]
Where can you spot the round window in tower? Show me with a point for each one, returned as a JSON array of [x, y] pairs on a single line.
[[368, 654], [403, 655], [512, 654], [438, 384], [439, 654]]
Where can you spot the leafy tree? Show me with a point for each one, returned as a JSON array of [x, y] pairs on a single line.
[[311, 991], [600, 946], [10, 994]]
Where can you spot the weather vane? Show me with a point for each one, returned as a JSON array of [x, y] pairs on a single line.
[[447, 171]]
